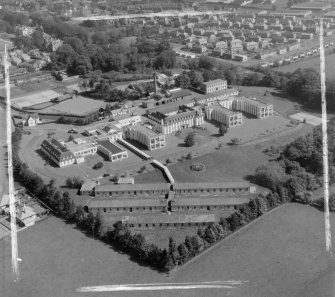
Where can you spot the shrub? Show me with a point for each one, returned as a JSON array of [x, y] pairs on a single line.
[[223, 130], [99, 165], [189, 156], [74, 182], [235, 141], [198, 167]]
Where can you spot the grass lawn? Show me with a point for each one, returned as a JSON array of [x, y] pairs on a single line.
[[279, 255], [280, 103], [312, 63], [228, 164]]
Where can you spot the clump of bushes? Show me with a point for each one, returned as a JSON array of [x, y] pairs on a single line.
[[199, 167], [99, 165]]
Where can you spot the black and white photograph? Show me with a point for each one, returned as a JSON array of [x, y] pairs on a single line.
[[167, 148]]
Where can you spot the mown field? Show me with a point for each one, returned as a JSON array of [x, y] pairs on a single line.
[[312, 63], [279, 255]]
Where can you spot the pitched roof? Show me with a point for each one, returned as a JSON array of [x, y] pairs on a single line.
[[223, 185], [132, 187], [146, 202], [214, 81], [204, 201], [111, 147], [171, 219]]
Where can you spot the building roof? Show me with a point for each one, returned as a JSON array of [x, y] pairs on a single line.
[[134, 187], [204, 201], [125, 180], [146, 202], [59, 151], [223, 185], [169, 218], [113, 148], [224, 110], [181, 93], [215, 81], [78, 147], [217, 93], [88, 185], [145, 130], [254, 102]]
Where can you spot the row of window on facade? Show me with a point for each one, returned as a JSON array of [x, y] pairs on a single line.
[[180, 208], [153, 225], [177, 191]]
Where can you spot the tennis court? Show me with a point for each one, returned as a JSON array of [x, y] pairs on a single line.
[[309, 118]]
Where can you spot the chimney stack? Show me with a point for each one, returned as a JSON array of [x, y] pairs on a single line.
[[155, 83]]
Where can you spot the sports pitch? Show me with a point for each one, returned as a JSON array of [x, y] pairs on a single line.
[[76, 106], [34, 98]]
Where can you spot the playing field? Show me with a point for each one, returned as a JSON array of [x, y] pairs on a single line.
[[77, 106], [312, 63], [34, 98], [277, 256]]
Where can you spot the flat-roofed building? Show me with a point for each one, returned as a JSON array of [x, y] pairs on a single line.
[[174, 117], [216, 96], [213, 86], [127, 120], [223, 115], [146, 136], [111, 150], [57, 152], [80, 150], [254, 107]]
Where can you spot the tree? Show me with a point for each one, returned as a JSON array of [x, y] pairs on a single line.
[[197, 243], [206, 62], [189, 140], [100, 38], [196, 78], [261, 206], [209, 235], [108, 110], [183, 81], [37, 39], [223, 130], [166, 59], [183, 253], [173, 252], [331, 202], [80, 65], [270, 175]]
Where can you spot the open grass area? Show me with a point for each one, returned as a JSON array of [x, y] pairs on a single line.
[[77, 106], [312, 63], [229, 164], [279, 255], [281, 103]]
